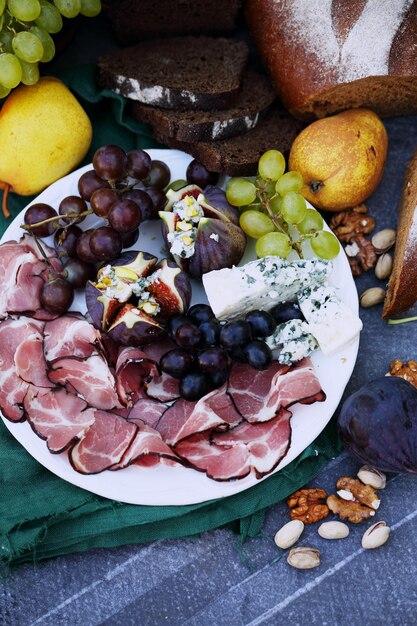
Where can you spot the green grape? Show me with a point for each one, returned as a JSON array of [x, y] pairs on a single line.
[[30, 73], [90, 8], [4, 91], [293, 207], [273, 244], [68, 8], [10, 70], [25, 10], [2, 6], [6, 39], [325, 245], [271, 165], [50, 18], [240, 191], [312, 221], [27, 47], [256, 224], [275, 204], [291, 181], [47, 43]]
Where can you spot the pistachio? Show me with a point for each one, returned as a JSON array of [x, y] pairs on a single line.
[[371, 297], [333, 530], [375, 536], [289, 534], [383, 266], [383, 240], [304, 558], [371, 476]]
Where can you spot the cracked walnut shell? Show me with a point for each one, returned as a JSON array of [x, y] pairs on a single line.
[[347, 224], [308, 505], [351, 510]]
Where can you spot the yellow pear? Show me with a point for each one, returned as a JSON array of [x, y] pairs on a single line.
[[44, 134], [341, 158]]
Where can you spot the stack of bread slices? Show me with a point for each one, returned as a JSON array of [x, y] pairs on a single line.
[[199, 95]]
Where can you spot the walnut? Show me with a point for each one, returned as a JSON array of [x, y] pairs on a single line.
[[353, 511], [308, 505], [346, 224], [408, 370], [365, 494], [361, 255]]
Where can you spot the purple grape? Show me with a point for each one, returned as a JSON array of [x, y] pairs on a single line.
[[235, 335], [212, 360], [65, 240], [285, 312], [110, 162], [197, 174], [72, 205], [144, 202], [101, 200], [187, 336], [129, 239], [57, 295], [194, 385], [77, 272], [124, 216], [176, 363], [37, 213], [199, 313], [159, 175], [158, 198], [138, 164], [210, 332], [258, 354], [219, 378], [83, 247], [262, 323], [89, 183], [105, 243]]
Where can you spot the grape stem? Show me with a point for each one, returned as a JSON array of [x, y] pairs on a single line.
[[56, 217], [42, 251]]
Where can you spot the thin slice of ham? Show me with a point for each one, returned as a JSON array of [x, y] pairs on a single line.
[[30, 361], [146, 443], [133, 371], [91, 378], [70, 335], [148, 411], [260, 395], [235, 453], [57, 416], [104, 443], [164, 388]]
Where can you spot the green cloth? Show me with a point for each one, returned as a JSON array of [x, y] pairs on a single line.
[[42, 516]]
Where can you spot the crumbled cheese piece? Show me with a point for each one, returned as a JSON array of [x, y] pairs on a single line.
[[295, 339], [214, 236]]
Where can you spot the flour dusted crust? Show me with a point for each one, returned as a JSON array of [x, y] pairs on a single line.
[[402, 286], [325, 56]]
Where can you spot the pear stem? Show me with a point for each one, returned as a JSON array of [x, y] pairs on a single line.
[[4, 208]]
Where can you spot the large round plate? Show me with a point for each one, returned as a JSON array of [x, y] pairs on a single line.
[[164, 485]]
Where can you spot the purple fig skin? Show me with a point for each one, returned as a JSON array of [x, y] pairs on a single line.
[[216, 198], [168, 221], [176, 196], [135, 329], [214, 255], [100, 308], [172, 289], [378, 425], [142, 263]]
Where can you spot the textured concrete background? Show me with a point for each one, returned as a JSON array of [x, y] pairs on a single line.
[[215, 580]]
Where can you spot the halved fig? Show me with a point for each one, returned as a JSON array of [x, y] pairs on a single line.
[[176, 196], [133, 327], [100, 308], [171, 289], [141, 263]]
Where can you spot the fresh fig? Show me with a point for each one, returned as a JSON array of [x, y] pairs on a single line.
[[133, 327], [101, 308], [176, 196], [171, 289], [378, 425], [142, 263]]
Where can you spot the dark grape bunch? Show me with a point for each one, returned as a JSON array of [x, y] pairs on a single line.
[[206, 347], [123, 189]]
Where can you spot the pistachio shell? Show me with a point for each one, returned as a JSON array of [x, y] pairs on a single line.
[[371, 476], [383, 240], [333, 530], [376, 536], [383, 267], [371, 297], [289, 534], [304, 558]]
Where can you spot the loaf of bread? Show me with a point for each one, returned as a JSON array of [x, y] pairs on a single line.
[[326, 56], [402, 286]]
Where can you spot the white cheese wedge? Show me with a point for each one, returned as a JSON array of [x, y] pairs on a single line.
[[330, 321], [261, 284], [294, 340]]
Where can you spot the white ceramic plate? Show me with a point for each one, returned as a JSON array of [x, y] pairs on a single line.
[[164, 485]]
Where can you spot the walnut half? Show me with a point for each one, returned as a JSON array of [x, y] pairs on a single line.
[[347, 224], [365, 494], [351, 510], [408, 370], [308, 505]]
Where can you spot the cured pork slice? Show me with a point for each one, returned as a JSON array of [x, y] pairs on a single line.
[[146, 443], [91, 378], [148, 411], [57, 416], [235, 453], [133, 370], [164, 388], [185, 418], [70, 335], [103, 444], [30, 361], [260, 395], [13, 332]]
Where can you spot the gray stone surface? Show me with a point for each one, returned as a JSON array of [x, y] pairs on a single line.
[[213, 579]]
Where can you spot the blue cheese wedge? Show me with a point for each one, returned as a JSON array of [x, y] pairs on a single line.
[[330, 321], [294, 340], [261, 284]]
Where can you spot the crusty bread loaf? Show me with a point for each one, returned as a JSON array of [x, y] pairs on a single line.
[[325, 56], [402, 286]]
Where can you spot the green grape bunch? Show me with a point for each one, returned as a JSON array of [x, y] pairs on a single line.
[[274, 212], [26, 27]]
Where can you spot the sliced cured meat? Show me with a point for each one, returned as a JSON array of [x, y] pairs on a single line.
[[184, 418], [233, 454], [103, 445], [70, 335], [57, 416], [164, 388], [30, 361], [13, 388], [260, 395], [146, 443], [133, 370], [91, 378], [148, 411]]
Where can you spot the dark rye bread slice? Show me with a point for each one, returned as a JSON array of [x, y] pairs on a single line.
[[239, 156], [136, 20], [255, 97], [197, 73], [402, 286]]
